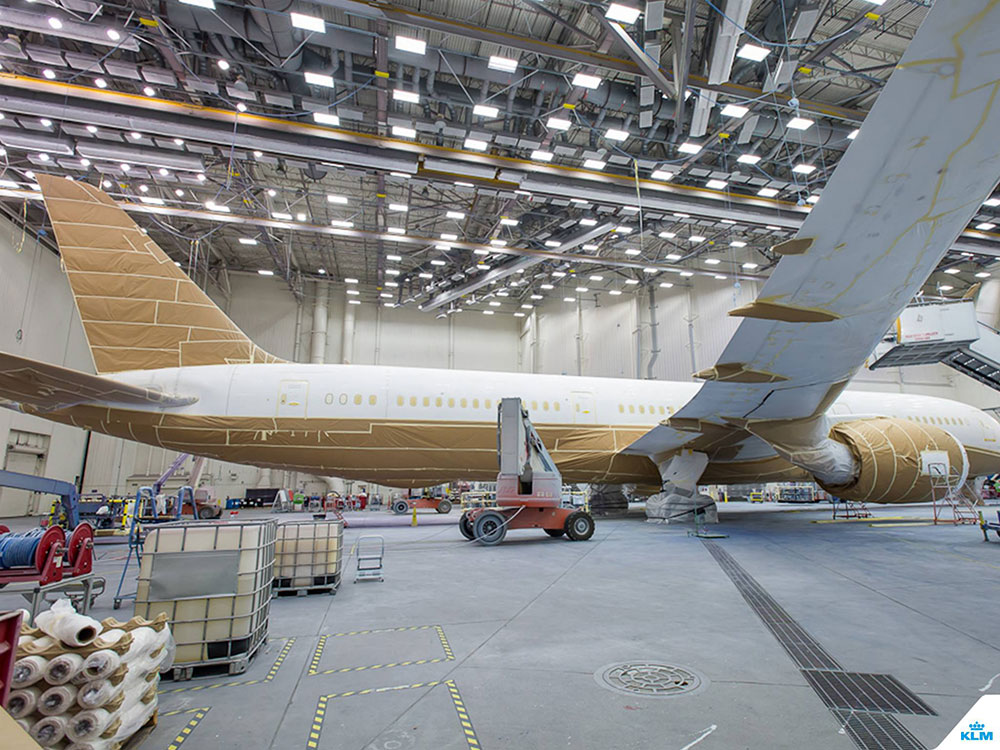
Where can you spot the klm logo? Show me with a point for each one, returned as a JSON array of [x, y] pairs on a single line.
[[976, 732]]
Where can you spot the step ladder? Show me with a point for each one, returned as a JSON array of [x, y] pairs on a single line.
[[954, 502], [843, 509]]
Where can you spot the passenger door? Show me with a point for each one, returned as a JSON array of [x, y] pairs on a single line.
[[583, 407], [293, 396]]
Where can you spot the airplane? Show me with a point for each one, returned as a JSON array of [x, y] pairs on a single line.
[[174, 371]]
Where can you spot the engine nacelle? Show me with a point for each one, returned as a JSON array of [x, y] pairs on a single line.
[[888, 455]]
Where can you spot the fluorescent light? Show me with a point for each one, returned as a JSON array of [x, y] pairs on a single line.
[[689, 148], [586, 81], [853, 134], [594, 164], [558, 123], [393, 271], [686, 274], [350, 281], [946, 287], [552, 243], [983, 275], [748, 158], [354, 302], [401, 95], [509, 222], [951, 271], [696, 238], [662, 174], [45, 122], [591, 247], [597, 277], [340, 223], [614, 134], [153, 201], [734, 110], [395, 230], [631, 251], [409, 44], [438, 263], [482, 251], [248, 241], [325, 118], [582, 289], [213, 206], [425, 275], [455, 215], [588, 222], [986, 226], [753, 52], [398, 207], [716, 184], [210, 4], [403, 132], [737, 243], [485, 110], [622, 13], [222, 63], [281, 215], [650, 270], [483, 266], [992, 202], [615, 292], [546, 287], [319, 79], [667, 235], [394, 258], [622, 230], [569, 299], [101, 83], [804, 168], [800, 123], [149, 91], [665, 285], [506, 64], [449, 236], [749, 266], [539, 155], [474, 144], [336, 199], [712, 261], [265, 272], [49, 73], [812, 199], [767, 192], [309, 23]]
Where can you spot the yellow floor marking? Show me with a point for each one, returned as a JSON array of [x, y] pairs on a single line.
[[199, 714], [317, 654], [240, 683]]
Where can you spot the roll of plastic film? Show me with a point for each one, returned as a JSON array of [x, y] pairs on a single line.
[[49, 731], [101, 664], [88, 725], [21, 703], [57, 700], [95, 694], [63, 668], [28, 670]]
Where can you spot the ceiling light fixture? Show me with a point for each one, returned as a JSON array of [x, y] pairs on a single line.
[[485, 110], [210, 4], [716, 184], [474, 144], [753, 52], [559, 123], [409, 44], [767, 192], [804, 168], [309, 23], [800, 123], [595, 164], [318, 79], [622, 13], [401, 131], [748, 158], [689, 148], [662, 174], [613, 134], [539, 155], [586, 81], [734, 110], [505, 64], [325, 118], [402, 95], [100, 83]]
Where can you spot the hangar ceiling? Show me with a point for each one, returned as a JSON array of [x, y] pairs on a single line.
[[446, 153]]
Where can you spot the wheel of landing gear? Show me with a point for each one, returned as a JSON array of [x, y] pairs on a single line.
[[465, 526], [444, 506], [399, 507], [490, 528], [556, 533], [579, 526]]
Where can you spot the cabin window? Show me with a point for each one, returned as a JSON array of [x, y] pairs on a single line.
[[631, 408], [463, 403], [372, 400], [438, 402], [357, 399], [413, 400], [451, 403], [642, 409], [534, 406], [400, 400], [427, 400], [621, 408], [545, 405], [556, 405], [489, 404], [662, 410], [475, 403], [328, 398], [343, 398]]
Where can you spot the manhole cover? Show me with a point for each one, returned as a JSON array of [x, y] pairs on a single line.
[[648, 679]]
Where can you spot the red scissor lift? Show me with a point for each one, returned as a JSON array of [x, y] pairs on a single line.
[[529, 487]]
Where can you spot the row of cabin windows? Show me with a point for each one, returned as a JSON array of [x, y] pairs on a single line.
[[642, 409], [941, 420], [464, 403]]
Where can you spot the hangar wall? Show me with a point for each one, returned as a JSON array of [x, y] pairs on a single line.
[[609, 336]]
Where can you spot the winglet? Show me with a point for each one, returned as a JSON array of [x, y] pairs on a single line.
[[784, 313]]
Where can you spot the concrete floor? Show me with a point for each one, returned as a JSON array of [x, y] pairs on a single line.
[[497, 647]]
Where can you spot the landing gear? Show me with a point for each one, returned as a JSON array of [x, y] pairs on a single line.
[[490, 527], [579, 526]]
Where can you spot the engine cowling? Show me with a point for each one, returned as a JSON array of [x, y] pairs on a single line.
[[888, 454]]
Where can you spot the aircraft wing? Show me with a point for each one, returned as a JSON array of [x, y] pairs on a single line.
[[48, 387], [925, 160]]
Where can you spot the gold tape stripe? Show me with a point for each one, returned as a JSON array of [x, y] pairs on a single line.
[[317, 654], [199, 714]]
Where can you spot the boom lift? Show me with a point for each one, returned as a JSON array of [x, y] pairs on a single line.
[[529, 487]]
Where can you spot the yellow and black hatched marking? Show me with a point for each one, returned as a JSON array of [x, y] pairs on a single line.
[[463, 716], [318, 652], [241, 683], [180, 739], [317, 722]]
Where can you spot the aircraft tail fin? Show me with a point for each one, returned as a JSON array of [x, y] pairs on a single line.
[[139, 310]]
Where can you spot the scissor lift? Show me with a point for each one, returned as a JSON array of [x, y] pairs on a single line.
[[529, 487]]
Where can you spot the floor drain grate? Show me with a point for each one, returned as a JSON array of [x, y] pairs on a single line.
[[877, 731], [648, 679], [865, 692]]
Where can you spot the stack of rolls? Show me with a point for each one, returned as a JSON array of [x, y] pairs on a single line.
[[80, 684]]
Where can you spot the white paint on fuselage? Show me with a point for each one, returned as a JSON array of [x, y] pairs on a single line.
[[371, 392]]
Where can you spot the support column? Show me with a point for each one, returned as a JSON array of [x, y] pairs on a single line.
[[347, 340], [317, 345]]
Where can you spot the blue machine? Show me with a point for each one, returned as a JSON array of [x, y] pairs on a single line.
[[68, 495]]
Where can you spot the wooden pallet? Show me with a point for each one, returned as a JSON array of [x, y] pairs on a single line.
[[144, 731]]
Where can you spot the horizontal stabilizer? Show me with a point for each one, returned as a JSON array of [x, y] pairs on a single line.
[[48, 387]]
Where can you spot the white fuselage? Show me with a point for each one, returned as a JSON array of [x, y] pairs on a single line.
[[409, 425]]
